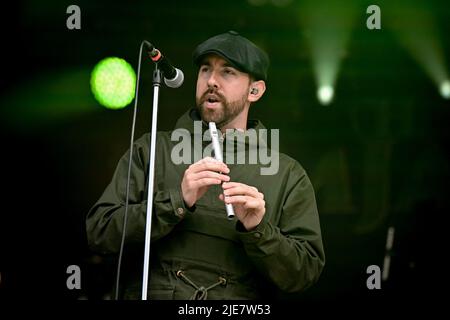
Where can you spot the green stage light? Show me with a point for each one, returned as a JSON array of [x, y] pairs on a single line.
[[113, 81], [445, 89], [327, 26], [415, 25], [325, 94]]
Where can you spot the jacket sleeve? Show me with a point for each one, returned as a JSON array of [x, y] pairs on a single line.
[[104, 222], [290, 253]]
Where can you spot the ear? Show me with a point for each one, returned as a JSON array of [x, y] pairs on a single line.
[[256, 90]]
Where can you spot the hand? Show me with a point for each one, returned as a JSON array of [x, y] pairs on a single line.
[[199, 176], [248, 203]]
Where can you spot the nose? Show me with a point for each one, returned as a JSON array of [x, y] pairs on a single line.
[[212, 80]]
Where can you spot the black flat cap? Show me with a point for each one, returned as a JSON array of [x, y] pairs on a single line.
[[243, 54]]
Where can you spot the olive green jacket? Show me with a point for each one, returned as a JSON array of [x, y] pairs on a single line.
[[196, 248]]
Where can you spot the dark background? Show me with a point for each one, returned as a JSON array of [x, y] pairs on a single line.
[[377, 155]]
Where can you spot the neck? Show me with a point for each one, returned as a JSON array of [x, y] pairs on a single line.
[[238, 123]]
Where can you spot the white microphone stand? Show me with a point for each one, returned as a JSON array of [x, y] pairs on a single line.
[[151, 178]]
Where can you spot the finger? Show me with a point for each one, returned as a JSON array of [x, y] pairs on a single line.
[[241, 190], [208, 159], [209, 174], [236, 199], [221, 197], [202, 161], [205, 182], [259, 194], [210, 166], [229, 185], [254, 204], [246, 202]]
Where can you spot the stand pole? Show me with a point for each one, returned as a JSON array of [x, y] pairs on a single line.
[[151, 179]]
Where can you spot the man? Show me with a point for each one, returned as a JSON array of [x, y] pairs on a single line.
[[273, 244]]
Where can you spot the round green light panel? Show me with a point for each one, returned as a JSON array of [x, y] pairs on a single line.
[[113, 81]]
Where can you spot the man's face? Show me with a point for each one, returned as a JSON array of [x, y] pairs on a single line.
[[222, 91]]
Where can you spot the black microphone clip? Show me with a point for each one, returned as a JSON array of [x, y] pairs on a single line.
[[173, 77]]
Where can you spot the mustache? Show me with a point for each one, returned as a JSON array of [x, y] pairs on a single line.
[[219, 96]]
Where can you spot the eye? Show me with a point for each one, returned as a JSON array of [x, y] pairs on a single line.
[[204, 69], [229, 71]]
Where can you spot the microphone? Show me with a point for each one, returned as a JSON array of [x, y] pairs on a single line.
[[173, 77]]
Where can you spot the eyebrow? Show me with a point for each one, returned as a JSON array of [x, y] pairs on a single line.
[[225, 65]]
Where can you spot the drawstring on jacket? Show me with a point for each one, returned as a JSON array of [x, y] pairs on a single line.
[[201, 293]]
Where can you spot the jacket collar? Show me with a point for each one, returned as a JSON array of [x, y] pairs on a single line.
[[186, 121]]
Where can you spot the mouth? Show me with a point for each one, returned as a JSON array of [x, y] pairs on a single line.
[[211, 101]]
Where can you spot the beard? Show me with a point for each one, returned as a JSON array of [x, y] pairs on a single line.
[[224, 114]]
